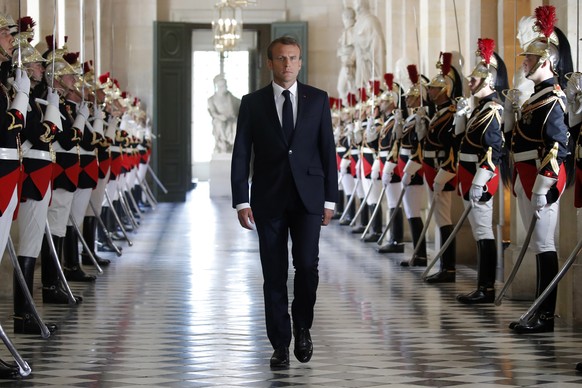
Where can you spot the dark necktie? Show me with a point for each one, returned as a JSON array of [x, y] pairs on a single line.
[[287, 116]]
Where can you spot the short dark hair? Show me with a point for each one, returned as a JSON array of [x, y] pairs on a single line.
[[285, 40]]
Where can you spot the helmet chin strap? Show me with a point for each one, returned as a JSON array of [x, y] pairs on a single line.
[[541, 60]]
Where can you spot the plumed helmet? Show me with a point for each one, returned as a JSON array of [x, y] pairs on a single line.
[[6, 21], [550, 43], [418, 87]]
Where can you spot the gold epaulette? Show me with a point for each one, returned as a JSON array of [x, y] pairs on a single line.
[[552, 159], [488, 159]]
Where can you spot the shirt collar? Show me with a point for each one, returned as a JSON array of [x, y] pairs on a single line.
[[278, 90]]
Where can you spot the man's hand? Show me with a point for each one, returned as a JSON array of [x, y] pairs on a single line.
[[246, 218], [326, 218]]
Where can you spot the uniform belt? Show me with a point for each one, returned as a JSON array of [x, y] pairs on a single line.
[[366, 150], [141, 148], [468, 157], [405, 151], [115, 148], [9, 154], [525, 155], [341, 149], [37, 154], [83, 151], [355, 152], [383, 153], [433, 154], [58, 148]]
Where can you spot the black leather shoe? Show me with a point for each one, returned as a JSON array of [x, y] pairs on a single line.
[[391, 247], [447, 276], [27, 325], [372, 237], [579, 367], [9, 371], [280, 358], [56, 295], [480, 295], [359, 229], [346, 221], [414, 262], [538, 324], [86, 260], [76, 274], [303, 345]]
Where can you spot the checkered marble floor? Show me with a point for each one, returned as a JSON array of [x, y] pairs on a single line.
[[183, 308]]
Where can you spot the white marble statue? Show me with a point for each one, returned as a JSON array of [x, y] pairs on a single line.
[[223, 107], [369, 44], [347, 55]]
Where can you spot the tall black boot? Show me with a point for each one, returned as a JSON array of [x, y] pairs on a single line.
[[486, 267], [350, 212], [89, 230], [123, 217], [24, 322], [416, 226], [376, 226], [72, 267], [339, 206], [395, 244], [448, 259], [364, 218], [9, 371], [52, 288], [543, 319]]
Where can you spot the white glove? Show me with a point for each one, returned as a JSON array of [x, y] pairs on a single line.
[[538, 201], [52, 113], [98, 113], [406, 178], [82, 114], [574, 95], [375, 174], [22, 86], [386, 177], [359, 169], [463, 107], [475, 193], [21, 82], [53, 98], [511, 108], [420, 124], [540, 188], [344, 164]]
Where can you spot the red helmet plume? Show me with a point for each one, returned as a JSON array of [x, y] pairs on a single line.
[[486, 47], [389, 79], [412, 73], [545, 19]]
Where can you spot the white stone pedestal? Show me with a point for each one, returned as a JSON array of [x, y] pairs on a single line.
[[219, 177]]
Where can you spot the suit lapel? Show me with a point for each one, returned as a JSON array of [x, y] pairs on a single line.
[[301, 103], [269, 100]]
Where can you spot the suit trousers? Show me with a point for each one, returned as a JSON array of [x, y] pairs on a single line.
[[274, 233]]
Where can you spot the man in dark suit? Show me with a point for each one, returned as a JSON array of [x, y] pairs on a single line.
[[284, 142]]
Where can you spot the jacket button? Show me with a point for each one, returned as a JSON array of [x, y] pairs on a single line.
[[290, 152]]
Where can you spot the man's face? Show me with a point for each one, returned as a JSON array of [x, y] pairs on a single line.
[[6, 41], [35, 71], [412, 101], [529, 62], [285, 64], [68, 81]]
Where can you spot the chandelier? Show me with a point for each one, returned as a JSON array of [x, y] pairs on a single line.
[[228, 24]]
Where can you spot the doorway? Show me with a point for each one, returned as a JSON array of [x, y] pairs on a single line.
[[206, 64]]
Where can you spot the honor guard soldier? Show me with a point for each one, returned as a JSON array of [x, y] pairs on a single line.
[[371, 164], [479, 158], [42, 123], [65, 173], [347, 164], [410, 161], [102, 144], [360, 123], [538, 146], [439, 159], [13, 112], [389, 140], [335, 105]]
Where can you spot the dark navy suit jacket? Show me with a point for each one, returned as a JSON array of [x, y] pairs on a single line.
[[309, 157]]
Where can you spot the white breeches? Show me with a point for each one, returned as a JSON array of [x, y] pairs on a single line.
[[543, 237], [393, 191], [376, 188], [6, 221], [481, 219], [97, 197], [348, 182], [79, 206], [112, 190], [32, 217], [58, 211], [442, 208], [412, 200]]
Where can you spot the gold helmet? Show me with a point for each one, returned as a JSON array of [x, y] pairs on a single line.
[[545, 45], [418, 88], [6, 21], [445, 80], [22, 39]]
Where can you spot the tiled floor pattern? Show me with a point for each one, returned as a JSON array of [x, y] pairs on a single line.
[[183, 308]]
